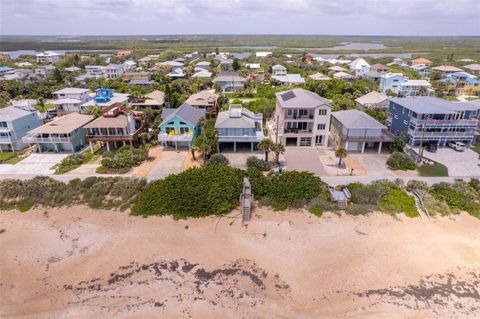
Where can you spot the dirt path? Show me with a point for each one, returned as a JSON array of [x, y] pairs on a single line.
[[81, 263]]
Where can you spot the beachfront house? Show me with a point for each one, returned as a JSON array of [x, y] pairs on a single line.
[[239, 129], [357, 131], [420, 120], [116, 124], [303, 118], [180, 126], [14, 124], [63, 134]]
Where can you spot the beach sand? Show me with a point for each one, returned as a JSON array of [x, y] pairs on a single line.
[[82, 263]]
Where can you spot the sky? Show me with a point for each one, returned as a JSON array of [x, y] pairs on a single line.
[[323, 17]]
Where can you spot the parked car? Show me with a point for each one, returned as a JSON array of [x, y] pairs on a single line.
[[457, 146], [431, 147]]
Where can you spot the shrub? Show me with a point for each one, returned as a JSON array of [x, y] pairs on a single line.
[[218, 159], [318, 205], [125, 158], [72, 161], [414, 184], [359, 209], [196, 192], [437, 206], [255, 162], [459, 195], [397, 145], [400, 161], [293, 189], [399, 201]]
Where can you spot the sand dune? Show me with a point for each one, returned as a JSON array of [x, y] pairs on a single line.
[[81, 263]]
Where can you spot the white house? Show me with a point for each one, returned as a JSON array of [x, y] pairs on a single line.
[[48, 57], [71, 99], [392, 82], [95, 71], [115, 71], [414, 88], [44, 70], [263, 54], [303, 118], [279, 70], [289, 79], [360, 67]]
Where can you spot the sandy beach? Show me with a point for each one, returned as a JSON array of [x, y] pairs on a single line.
[[81, 263]]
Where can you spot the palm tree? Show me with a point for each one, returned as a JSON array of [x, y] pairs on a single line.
[[265, 146], [340, 153], [278, 149]]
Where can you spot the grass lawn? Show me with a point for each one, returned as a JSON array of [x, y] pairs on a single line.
[[476, 148], [11, 157], [436, 169]]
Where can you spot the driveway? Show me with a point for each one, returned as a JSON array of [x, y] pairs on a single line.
[[304, 159], [35, 164], [169, 162], [458, 163]]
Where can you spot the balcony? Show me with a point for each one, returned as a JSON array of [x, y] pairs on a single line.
[[164, 137], [441, 134], [300, 117], [431, 122], [51, 139], [297, 131]]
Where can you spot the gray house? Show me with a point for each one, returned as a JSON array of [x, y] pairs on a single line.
[[14, 124], [357, 131], [229, 82], [63, 134], [239, 127], [428, 119]]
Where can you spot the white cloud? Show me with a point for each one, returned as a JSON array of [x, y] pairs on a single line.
[[39, 15]]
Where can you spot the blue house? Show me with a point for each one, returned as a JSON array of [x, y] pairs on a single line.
[[14, 124], [180, 126], [420, 120]]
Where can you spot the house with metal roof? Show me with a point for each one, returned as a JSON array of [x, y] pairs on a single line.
[[319, 77], [180, 126], [303, 118], [14, 124], [419, 120], [357, 131], [63, 134], [360, 67], [289, 79], [239, 129], [229, 82]]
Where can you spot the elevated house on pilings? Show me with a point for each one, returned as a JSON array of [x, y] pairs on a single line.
[[117, 125]]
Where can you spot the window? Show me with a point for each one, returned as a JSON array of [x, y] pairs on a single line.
[[321, 126], [396, 117], [318, 139], [184, 130], [322, 112], [3, 124], [405, 122], [305, 141]]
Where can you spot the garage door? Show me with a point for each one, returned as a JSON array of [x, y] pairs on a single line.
[[353, 146]]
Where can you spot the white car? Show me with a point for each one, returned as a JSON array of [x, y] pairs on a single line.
[[457, 146]]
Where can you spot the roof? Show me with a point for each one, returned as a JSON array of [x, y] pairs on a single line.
[[203, 63], [156, 95], [289, 78], [447, 68], [432, 105], [416, 83], [142, 82], [202, 74], [6, 68], [244, 118], [71, 91], [12, 113], [229, 77], [201, 98], [108, 122], [377, 66], [343, 75], [319, 77], [391, 75], [337, 68], [421, 61], [355, 119], [64, 101], [372, 98], [186, 112], [278, 67], [300, 98], [64, 125], [358, 64], [472, 67]]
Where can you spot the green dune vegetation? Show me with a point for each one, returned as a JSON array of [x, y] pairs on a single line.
[[215, 190]]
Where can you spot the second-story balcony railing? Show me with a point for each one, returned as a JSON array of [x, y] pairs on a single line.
[[432, 122], [441, 134], [49, 139], [300, 117], [297, 131]]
